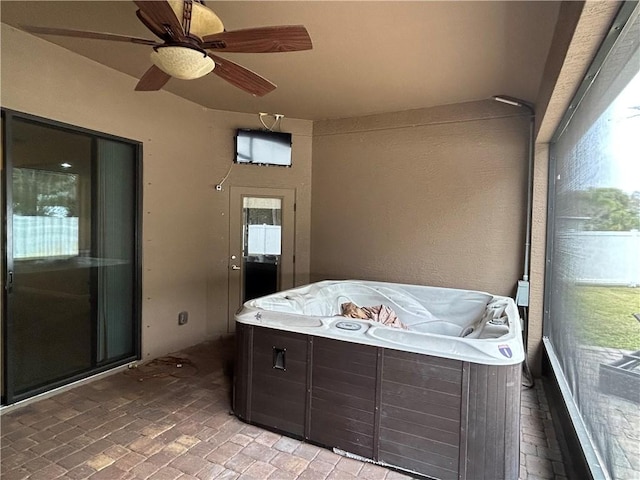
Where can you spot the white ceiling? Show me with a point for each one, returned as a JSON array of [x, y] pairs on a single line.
[[368, 56]]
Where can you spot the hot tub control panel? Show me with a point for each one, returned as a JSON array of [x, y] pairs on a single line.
[[351, 326]]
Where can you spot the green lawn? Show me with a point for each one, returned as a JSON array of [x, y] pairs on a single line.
[[607, 319]]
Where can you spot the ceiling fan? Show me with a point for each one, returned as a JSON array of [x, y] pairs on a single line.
[[189, 31]]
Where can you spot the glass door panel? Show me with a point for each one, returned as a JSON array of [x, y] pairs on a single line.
[[114, 252], [50, 316], [261, 249]]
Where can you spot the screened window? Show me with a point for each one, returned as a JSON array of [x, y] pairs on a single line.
[[593, 288]]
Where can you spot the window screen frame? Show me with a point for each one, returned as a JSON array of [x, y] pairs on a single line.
[[570, 419]]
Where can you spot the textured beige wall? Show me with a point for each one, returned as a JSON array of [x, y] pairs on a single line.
[[434, 196], [187, 150], [538, 258]]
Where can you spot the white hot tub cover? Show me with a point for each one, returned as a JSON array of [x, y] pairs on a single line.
[[452, 323]]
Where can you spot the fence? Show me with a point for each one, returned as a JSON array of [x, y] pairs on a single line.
[[44, 236], [606, 258]]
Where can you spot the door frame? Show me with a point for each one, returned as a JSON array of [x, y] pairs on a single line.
[[9, 396], [287, 256]]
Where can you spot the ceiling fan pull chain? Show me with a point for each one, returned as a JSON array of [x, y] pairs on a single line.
[[186, 16]]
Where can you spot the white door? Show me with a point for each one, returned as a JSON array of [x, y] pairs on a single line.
[[261, 244]]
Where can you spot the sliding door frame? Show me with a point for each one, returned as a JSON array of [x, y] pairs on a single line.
[[9, 395]]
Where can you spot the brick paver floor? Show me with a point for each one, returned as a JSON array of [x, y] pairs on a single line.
[[171, 422]]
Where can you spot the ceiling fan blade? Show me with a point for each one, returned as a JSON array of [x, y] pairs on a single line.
[[153, 79], [241, 77], [283, 38], [83, 34], [162, 15]]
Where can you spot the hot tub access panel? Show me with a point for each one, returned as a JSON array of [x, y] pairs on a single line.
[[438, 417]]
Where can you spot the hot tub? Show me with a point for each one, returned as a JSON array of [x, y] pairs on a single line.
[[440, 398]]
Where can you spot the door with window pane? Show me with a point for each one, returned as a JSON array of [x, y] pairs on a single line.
[[261, 244], [71, 257]]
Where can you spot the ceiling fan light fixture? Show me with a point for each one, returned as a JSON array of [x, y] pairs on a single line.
[[203, 20], [182, 62]]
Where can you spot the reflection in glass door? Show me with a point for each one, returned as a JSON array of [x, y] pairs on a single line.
[[50, 298], [71, 258]]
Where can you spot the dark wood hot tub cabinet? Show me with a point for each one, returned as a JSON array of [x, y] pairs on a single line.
[[441, 418]]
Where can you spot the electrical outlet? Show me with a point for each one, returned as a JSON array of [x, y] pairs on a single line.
[[522, 293], [183, 317]]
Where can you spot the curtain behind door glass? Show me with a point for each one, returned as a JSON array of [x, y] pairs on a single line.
[[115, 248]]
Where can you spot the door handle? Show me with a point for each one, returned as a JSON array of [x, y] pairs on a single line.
[[235, 267], [9, 286]]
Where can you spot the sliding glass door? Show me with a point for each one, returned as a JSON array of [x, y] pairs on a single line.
[[114, 250], [72, 269]]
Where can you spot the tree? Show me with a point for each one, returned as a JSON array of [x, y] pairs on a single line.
[[44, 193], [608, 209]]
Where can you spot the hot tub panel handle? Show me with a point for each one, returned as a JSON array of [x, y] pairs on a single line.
[[279, 358]]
